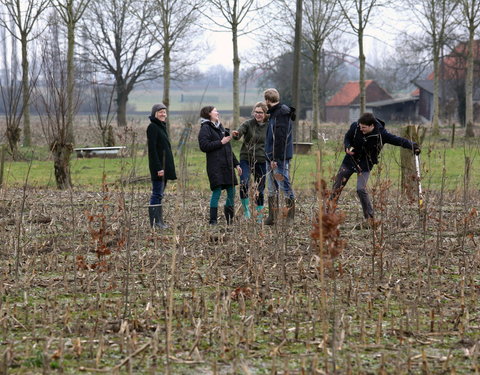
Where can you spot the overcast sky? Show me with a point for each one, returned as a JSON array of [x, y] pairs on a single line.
[[382, 31]]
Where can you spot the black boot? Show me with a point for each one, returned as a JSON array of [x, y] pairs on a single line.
[[229, 212], [272, 210], [213, 215], [290, 204], [156, 217]]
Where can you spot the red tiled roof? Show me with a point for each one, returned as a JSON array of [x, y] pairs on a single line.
[[454, 63], [347, 94]]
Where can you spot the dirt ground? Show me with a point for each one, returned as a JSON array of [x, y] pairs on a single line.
[[86, 286]]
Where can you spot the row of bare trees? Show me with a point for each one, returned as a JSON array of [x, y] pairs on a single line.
[[77, 42], [438, 25], [126, 42]]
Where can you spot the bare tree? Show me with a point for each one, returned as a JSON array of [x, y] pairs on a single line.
[[322, 18], [25, 16], [52, 102], [121, 45], [396, 71], [172, 27], [102, 108], [11, 94], [358, 13], [70, 11], [234, 18], [297, 59], [435, 18], [10, 90], [470, 10]]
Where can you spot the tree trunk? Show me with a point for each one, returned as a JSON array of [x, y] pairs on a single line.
[[110, 137], [27, 136], [296, 73], [323, 96], [70, 74], [122, 99], [315, 94], [361, 59], [61, 163], [469, 133], [166, 80], [236, 77], [13, 137], [436, 88]]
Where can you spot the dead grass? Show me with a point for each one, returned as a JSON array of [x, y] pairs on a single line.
[[87, 287]]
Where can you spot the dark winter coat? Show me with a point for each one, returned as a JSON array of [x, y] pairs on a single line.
[[221, 160], [367, 147], [279, 138], [160, 155], [253, 147]]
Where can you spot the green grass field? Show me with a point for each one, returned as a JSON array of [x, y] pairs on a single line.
[[193, 99], [88, 173]]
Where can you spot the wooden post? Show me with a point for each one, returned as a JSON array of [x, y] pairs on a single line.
[[408, 177], [452, 143]]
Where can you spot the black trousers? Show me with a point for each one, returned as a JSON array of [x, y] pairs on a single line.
[[343, 175]]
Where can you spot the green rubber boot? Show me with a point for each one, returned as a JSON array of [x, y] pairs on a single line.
[[259, 214], [246, 208]]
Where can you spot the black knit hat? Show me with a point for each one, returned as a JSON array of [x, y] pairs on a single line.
[[157, 107]]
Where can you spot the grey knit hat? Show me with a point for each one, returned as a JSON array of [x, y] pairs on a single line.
[[157, 107]]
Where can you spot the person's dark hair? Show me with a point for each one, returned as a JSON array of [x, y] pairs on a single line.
[[367, 119], [205, 112]]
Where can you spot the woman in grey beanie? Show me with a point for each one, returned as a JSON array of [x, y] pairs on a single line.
[[160, 162]]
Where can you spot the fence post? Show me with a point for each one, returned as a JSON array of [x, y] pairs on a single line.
[[452, 142]]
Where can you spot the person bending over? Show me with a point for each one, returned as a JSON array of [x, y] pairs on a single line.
[[363, 143]]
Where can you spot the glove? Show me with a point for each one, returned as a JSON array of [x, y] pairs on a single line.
[[416, 149]]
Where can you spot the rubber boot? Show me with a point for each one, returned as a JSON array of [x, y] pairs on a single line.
[[213, 215], [290, 204], [272, 210], [156, 217], [229, 212], [259, 214], [246, 208]]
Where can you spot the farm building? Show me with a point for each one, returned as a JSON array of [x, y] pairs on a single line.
[[391, 110], [341, 107], [452, 87]]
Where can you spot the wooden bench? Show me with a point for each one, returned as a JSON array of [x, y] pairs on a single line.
[[106, 152]]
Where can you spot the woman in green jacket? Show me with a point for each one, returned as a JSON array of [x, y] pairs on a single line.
[[252, 157]]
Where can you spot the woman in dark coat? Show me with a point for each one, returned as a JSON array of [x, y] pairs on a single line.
[[160, 162], [214, 140]]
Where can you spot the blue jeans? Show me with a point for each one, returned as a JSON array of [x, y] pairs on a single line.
[[158, 188], [260, 171], [282, 181]]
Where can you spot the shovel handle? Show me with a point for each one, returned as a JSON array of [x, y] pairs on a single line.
[[420, 193]]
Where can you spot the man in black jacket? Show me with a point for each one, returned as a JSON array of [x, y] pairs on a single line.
[[363, 143], [160, 162], [279, 152]]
